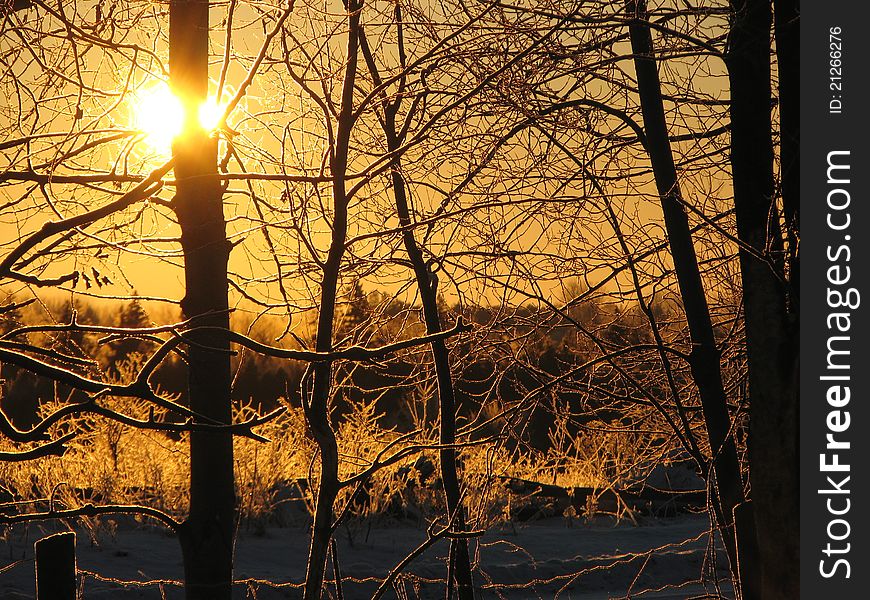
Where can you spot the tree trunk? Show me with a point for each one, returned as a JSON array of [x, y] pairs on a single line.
[[446, 397], [459, 563], [704, 358], [318, 407], [771, 327], [787, 33], [207, 534]]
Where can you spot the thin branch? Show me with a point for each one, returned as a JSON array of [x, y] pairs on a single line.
[[432, 536], [90, 510], [353, 353], [53, 448], [151, 185]]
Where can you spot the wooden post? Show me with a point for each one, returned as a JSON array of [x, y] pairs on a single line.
[[56, 567]]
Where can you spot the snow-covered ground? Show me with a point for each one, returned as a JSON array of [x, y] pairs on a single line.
[[661, 559]]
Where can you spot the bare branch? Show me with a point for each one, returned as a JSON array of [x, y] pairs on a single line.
[[91, 510], [53, 448]]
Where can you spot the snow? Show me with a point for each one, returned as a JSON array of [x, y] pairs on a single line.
[[593, 562]]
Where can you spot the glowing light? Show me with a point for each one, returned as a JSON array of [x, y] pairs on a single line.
[[210, 113], [159, 114]]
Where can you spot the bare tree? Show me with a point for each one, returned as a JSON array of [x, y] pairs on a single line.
[[425, 273], [207, 534], [770, 283], [376, 173], [317, 409], [704, 357]]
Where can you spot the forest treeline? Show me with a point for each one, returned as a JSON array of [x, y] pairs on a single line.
[[489, 377]]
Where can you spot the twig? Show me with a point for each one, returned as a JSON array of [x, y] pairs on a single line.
[[148, 187], [432, 536], [336, 569]]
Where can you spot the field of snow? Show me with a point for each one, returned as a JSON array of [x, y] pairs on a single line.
[[550, 558]]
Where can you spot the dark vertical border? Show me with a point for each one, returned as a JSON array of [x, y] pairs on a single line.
[[824, 132]]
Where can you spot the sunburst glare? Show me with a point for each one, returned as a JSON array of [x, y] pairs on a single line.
[[159, 114], [210, 113]]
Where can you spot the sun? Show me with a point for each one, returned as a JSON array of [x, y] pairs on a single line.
[[159, 115], [210, 113]]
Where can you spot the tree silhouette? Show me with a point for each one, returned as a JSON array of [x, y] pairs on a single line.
[[377, 175]]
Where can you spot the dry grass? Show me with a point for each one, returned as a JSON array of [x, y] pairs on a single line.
[[111, 463]]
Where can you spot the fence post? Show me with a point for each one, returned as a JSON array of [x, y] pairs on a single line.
[[56, 567]]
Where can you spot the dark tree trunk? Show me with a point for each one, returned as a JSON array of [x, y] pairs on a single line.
[[446, 397], [787, 33], [771, 322], [207, 534], [704, 358], [459, 563], [317, 411]]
